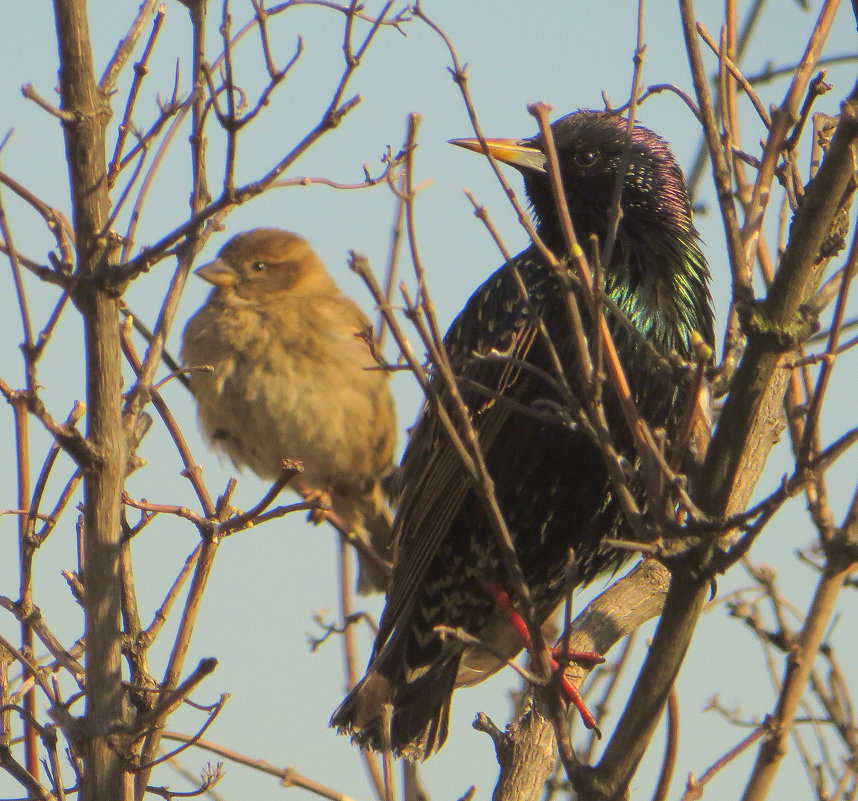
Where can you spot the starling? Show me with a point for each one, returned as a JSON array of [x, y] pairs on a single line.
[[292, 379], [550, 480]]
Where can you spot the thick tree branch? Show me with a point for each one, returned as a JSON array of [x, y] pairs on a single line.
[[87, 163]]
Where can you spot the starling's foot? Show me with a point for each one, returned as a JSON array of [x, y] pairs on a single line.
[[571, 655], [573, 698], [570, 694], [321, 497], [561, 657]]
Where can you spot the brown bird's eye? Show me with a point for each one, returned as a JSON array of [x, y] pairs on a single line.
[[586, 158], [258, 266]]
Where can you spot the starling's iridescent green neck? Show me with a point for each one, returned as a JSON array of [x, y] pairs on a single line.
[[657, 273]]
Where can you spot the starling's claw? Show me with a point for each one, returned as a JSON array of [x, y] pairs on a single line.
[[573, 698], [569, 655]]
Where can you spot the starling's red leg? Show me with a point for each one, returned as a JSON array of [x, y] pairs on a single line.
[[570, 693], [501, 598]]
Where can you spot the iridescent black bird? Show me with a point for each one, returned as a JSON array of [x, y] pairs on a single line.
[[550, 479]]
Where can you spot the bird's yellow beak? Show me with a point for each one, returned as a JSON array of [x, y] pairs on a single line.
[[217, 272], [510, 151]]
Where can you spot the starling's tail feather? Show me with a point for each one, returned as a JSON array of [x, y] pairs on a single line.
[[419, 711]]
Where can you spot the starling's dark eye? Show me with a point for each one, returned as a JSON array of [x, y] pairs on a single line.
[[258, 266], [586, 158]]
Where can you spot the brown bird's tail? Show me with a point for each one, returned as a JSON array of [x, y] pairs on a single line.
[[370, 518], [372, 576], [408, 717]]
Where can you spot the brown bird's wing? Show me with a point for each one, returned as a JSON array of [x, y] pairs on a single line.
[[434, 483]]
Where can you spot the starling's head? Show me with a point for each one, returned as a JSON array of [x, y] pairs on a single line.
[[657, 269], [591, 147], [265, 263]]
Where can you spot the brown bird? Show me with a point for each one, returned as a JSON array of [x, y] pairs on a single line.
[[291, 380]]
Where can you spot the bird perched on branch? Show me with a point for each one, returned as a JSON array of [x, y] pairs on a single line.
[[293, 379], [550, 478]]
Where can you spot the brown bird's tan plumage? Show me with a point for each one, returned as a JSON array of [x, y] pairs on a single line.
[[291, 379]]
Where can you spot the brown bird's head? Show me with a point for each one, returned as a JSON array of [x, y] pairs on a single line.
[[266, 262]]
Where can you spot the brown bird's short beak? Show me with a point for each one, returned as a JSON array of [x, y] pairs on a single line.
[[510, 151], [218, 273]]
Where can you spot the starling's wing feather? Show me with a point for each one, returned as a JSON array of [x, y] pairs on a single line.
[[434, 483]]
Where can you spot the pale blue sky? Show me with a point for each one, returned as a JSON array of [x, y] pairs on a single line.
[[268, 582]]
